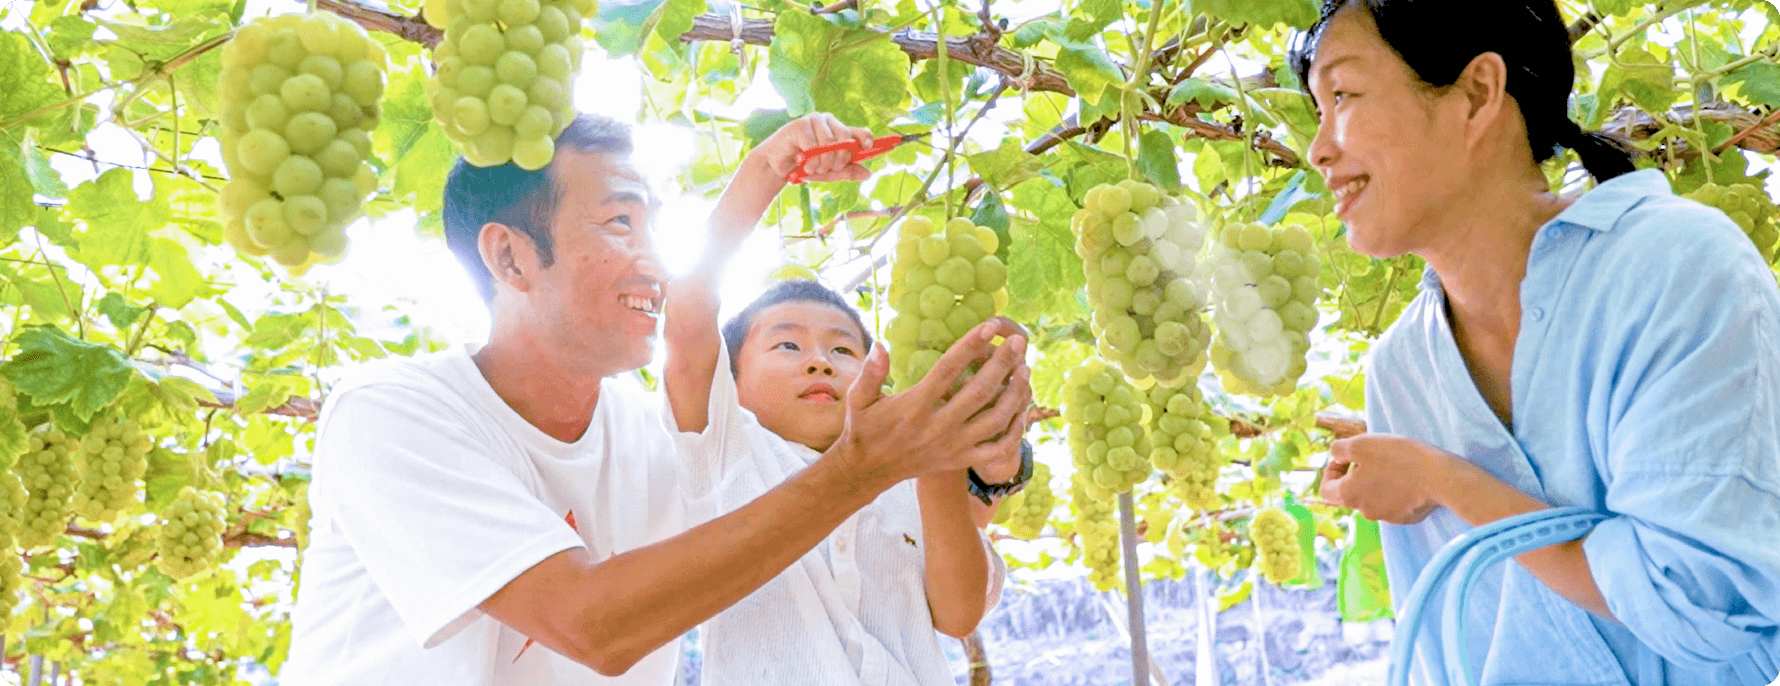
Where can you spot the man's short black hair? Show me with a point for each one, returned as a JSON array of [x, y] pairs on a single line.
[[524, 200], [735, 332]]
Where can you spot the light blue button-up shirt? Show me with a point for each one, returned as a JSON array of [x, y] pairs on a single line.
[[1646, 384]]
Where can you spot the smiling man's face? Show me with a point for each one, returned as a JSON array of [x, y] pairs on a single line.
[[600, 300]]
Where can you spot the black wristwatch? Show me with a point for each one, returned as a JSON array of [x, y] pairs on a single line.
[[987, 492]]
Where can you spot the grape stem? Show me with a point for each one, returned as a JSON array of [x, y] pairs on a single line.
[[945, 96], [1139, 78]]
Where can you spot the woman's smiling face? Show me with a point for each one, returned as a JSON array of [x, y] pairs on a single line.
[[1391, 148]]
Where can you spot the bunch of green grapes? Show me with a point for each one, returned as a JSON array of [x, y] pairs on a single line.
[[48, 476], [1265, 289], [1138, 248], [1106, 435], [506, 67], [1185, 434], [1034, 507], [12, 509], [1275, 534], [300, 97], [1752, 210], [942, 284], [1299, 14], [190, 537], [10, 568], [112, 456], [1097, 526]]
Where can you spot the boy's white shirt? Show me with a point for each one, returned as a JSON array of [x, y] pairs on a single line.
[[851, 611], [430, 494]]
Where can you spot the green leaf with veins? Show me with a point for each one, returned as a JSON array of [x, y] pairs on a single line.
[[54, 368]]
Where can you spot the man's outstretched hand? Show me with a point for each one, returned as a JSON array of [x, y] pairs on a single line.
[[930, 428]]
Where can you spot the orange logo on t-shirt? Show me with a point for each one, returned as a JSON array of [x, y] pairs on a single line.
[[570, 518]]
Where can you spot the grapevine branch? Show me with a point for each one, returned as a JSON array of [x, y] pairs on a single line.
[[983, 50], [408, 28], [1340, 425]]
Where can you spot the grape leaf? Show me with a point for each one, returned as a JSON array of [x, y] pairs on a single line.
[[1087, 69], [25, 79], [1100, 13], [1007, 165], [675, 18], [1293, 194], [44, 179], [117, 222], [121, 313], [818, 66], [1041, 253], [1198, 90], [762, 123], [177, 282], [993, 214], [1155, 159], [55, 368], [17, 202], [418, 149], [620, 28], [70, 36], [1760, 83]]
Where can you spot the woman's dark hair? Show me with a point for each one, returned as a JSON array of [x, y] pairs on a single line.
[[1529, 35], [735, 332], [524, 200]]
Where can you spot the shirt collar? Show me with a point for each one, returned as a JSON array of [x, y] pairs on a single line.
[[1601, 208]]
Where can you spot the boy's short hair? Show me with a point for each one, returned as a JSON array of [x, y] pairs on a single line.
[[735, 332], [524, 200]]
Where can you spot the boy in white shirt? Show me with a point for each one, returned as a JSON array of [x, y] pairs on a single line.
[[757, 405]]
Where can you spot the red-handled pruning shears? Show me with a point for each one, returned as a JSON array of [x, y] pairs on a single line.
[[860, 153]]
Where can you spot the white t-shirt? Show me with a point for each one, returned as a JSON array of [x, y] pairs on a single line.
[[852, 611], [430, 494]]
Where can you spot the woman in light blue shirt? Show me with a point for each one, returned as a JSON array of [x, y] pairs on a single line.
[[1618, 351]]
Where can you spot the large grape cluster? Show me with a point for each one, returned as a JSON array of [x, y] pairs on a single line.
[[1299, 14], [505, 69], [300, 98], [1097, 529], [1184, 439], [1106, 435], [1033, 505], [12, 509], [1752, 210], [190, 536], [1264, 288], [111, 457], [942, 284], [1275, 534], [48, 476], [1138, 248], [10, 569]]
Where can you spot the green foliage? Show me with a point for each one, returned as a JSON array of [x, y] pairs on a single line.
[[56, 369], [119, 297]]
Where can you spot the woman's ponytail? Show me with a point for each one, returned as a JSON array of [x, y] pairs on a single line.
[[1602, 155]]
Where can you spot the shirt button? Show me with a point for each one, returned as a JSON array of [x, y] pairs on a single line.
[[1538, 313]]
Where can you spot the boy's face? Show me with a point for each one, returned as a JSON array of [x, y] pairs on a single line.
[[795, 367]]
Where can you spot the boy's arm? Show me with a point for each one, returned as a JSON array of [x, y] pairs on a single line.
[[958, 566], [692, 303]]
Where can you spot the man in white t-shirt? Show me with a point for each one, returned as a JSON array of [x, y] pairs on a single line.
[[510, 515]]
